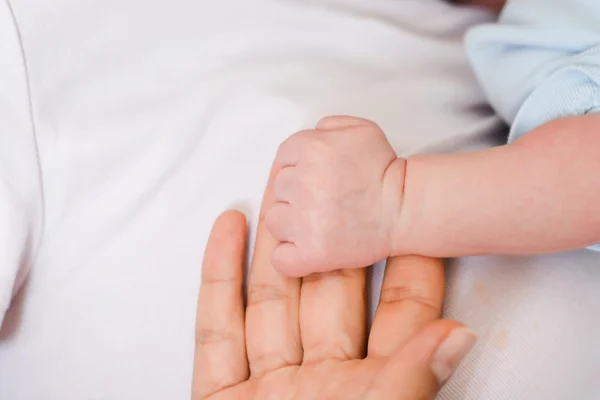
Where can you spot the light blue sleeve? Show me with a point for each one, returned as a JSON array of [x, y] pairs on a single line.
[[540, 61]]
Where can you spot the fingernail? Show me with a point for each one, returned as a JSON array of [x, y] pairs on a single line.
[[451, 352]]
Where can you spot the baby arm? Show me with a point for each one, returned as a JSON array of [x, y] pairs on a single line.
[[539, 194]]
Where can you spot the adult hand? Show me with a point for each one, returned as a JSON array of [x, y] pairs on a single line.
[[306, 338]]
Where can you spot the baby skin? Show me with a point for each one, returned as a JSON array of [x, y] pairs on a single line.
[[345, 200]]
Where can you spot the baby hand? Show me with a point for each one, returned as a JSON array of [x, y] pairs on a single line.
[[338, 192]]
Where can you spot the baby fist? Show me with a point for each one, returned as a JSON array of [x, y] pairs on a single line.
[[332, 208]]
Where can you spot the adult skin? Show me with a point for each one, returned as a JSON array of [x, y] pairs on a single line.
[[307, 338]]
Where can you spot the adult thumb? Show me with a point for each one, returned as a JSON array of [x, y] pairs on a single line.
[[420, 368]]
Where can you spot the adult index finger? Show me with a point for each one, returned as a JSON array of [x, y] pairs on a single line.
[[220, 358]]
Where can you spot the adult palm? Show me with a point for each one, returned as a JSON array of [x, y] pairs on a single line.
[[307, 338]]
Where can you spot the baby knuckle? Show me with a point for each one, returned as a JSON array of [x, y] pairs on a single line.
[[341, 121], [317, 148], [328, 121], [283, 149], [369, 130], [301, 137], [293, 140]]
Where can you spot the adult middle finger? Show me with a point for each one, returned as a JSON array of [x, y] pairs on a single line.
[[333, 315]]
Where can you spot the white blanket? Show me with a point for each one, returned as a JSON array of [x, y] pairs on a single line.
[[127, 126]]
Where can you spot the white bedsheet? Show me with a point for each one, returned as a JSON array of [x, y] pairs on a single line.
[[153, 116]]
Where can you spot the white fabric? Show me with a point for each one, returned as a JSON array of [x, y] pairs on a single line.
[[153, 116], [20, 183]]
